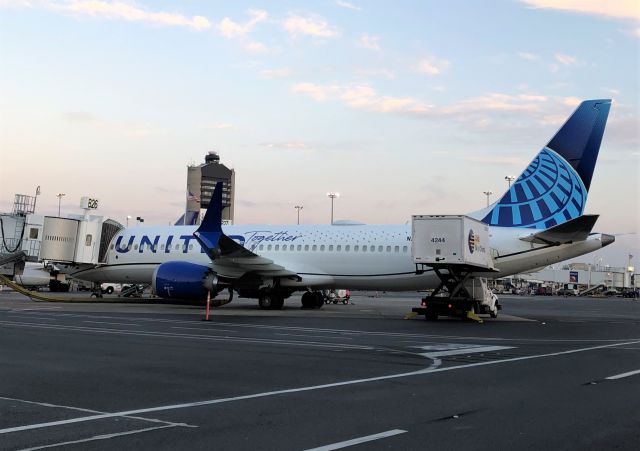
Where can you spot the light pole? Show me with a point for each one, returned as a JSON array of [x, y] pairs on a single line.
[[128, 217], [298, 207], [332, 196], [60, 196], [509, 179], [488, 193], [35, 200]]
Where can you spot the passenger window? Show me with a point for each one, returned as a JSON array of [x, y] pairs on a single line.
[[177, 247], [277, 248], [338, 248], [268, 247], [162, 247], [33, 234], [355, 248], [306, 247], [331, 248], [314, 248], [261, 247], [299, 247], [379, 248], [404, 249], [322, 247], [396, 249], [388, 248], [347, 248], [364, 248], [372, 248], [112, 246], [135, 247], [190, 246]]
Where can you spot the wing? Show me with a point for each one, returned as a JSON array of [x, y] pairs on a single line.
[[230, 259]]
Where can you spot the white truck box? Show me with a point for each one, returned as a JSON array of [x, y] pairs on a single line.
[[450, 239]]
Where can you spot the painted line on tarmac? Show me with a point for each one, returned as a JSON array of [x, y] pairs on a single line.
[[623, 375], [312, 344], [99, 437], [339, 331], [429, 370], [80, 409], [113, 324], [357, 441]]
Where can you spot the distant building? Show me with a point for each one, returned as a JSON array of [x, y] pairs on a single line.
[[201, 181]]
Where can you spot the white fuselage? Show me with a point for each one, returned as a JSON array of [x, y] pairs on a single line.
[[374, 257]]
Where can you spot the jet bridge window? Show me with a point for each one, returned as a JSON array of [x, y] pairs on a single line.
[[33, 234]]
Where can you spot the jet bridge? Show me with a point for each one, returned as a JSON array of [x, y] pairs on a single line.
[[456, 248]]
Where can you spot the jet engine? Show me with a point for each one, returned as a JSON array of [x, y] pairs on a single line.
[[184, 280]]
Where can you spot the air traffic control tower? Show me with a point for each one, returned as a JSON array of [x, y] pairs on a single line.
[[201, 181]]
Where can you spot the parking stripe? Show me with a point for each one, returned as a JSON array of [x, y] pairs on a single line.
[[357, 441], [620, 376]]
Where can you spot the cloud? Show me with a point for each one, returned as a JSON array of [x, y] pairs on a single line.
[[316, 92], [528, 56], [571, 101], [347, 5], [479, 112], [361, 97], [230, 29], [566, 60], [370, 42], [82, 117], [619, 9], [311, 25], [255, 47], [221, 126], [432, 66], [283, 72], [287, 145], [129, 12]]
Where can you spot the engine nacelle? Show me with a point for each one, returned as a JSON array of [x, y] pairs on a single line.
[[184, 280]]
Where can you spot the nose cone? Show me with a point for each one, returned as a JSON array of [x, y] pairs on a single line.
[[607, 239]]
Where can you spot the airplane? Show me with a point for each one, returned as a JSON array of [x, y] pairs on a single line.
[[537, 222]]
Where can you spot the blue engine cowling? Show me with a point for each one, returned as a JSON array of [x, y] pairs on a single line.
[[183, 280]]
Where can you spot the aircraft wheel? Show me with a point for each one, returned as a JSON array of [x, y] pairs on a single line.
[[493, 313], [308, 300], [319, 299], [265, 301]]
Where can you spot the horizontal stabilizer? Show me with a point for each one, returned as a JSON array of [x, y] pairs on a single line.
[[577, 229]]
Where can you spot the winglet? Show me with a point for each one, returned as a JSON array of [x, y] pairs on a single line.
[[210, 230]]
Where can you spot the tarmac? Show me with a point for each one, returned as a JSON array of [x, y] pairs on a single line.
[[548, 373]]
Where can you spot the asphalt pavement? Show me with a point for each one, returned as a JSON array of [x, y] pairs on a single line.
[[548, 373]]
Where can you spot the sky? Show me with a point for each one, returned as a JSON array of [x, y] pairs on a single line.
[[406, 107]]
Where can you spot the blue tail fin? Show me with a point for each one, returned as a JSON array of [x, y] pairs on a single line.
[[553, 189]]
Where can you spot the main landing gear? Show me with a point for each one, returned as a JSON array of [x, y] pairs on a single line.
[[270, 301], [312, 299]]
